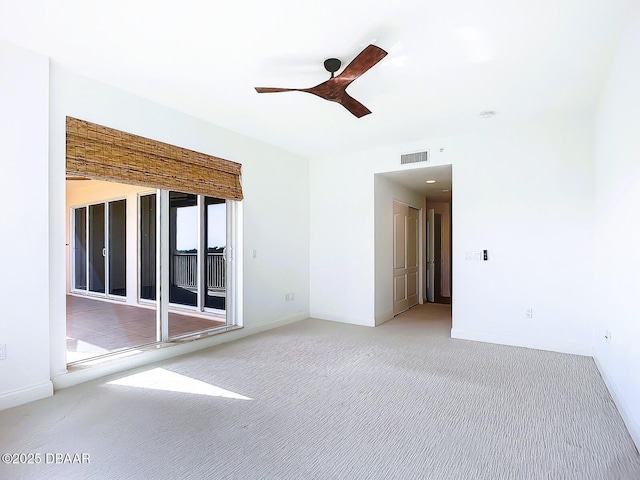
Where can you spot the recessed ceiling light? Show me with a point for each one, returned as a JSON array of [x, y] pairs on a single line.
[[431, 181], [487, 114]]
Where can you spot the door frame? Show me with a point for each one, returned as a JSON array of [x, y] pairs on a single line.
[[430, 260], [435, 263]]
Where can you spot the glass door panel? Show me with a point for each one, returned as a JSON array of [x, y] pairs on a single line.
[[118, 248], [183, 248], [97, 250], [80, 248], [216, 242], [148, 247], [197, 270]]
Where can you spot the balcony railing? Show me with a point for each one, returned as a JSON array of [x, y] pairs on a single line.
[[185, 271]]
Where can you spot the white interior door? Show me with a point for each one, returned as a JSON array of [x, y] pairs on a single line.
[[400, 302], [412, 256], [430, 255], [405, 257]]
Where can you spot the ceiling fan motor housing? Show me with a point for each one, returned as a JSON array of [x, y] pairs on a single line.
[[332, 65]]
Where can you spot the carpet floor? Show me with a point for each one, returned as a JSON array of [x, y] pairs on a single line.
[[322, 400]]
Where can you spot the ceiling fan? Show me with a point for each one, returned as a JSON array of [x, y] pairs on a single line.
[[334, 89]]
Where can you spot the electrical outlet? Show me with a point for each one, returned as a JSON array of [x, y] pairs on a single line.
[[529, 312], [3, 351], [288, 297]]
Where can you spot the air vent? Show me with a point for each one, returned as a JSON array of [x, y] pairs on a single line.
[[414, 157]]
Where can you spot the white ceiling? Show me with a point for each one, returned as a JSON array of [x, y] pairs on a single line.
[[416, 179], [447, 61]]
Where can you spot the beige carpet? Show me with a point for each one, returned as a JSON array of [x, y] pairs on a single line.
[[320, 400]]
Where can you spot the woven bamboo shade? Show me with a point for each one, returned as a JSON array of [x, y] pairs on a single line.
[[103, 153]]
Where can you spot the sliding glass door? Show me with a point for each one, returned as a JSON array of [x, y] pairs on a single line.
[[197, 262], [117, 240], [99, 249], [147, 247], [183, 247], [215, 231], [79, 257], [197, 245], [174, 244]]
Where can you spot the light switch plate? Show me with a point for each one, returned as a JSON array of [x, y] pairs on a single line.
[[473, 255]]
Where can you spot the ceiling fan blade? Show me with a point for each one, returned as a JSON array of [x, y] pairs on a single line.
[[329, 90], [363, 62], [275, 90], [354, 106], [334, 89]]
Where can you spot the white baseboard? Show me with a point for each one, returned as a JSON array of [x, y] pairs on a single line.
[[109, 367], [25, 395], [334, 317], [632, 423], [573, 349], [384, 317], [263, 327], [383, 321]]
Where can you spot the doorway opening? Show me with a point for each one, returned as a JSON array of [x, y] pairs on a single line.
[[439, 261], [113, 299], [430, 190]]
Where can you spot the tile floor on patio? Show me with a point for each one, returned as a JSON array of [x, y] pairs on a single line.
[[96, 327]]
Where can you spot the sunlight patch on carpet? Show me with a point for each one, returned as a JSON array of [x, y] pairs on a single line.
[[161, 379]]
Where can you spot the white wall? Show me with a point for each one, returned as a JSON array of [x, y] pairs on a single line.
[[385, 192], [617, 229], [523, 192], [24, 284]]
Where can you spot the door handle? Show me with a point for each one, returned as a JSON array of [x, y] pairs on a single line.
[[104, 252]]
